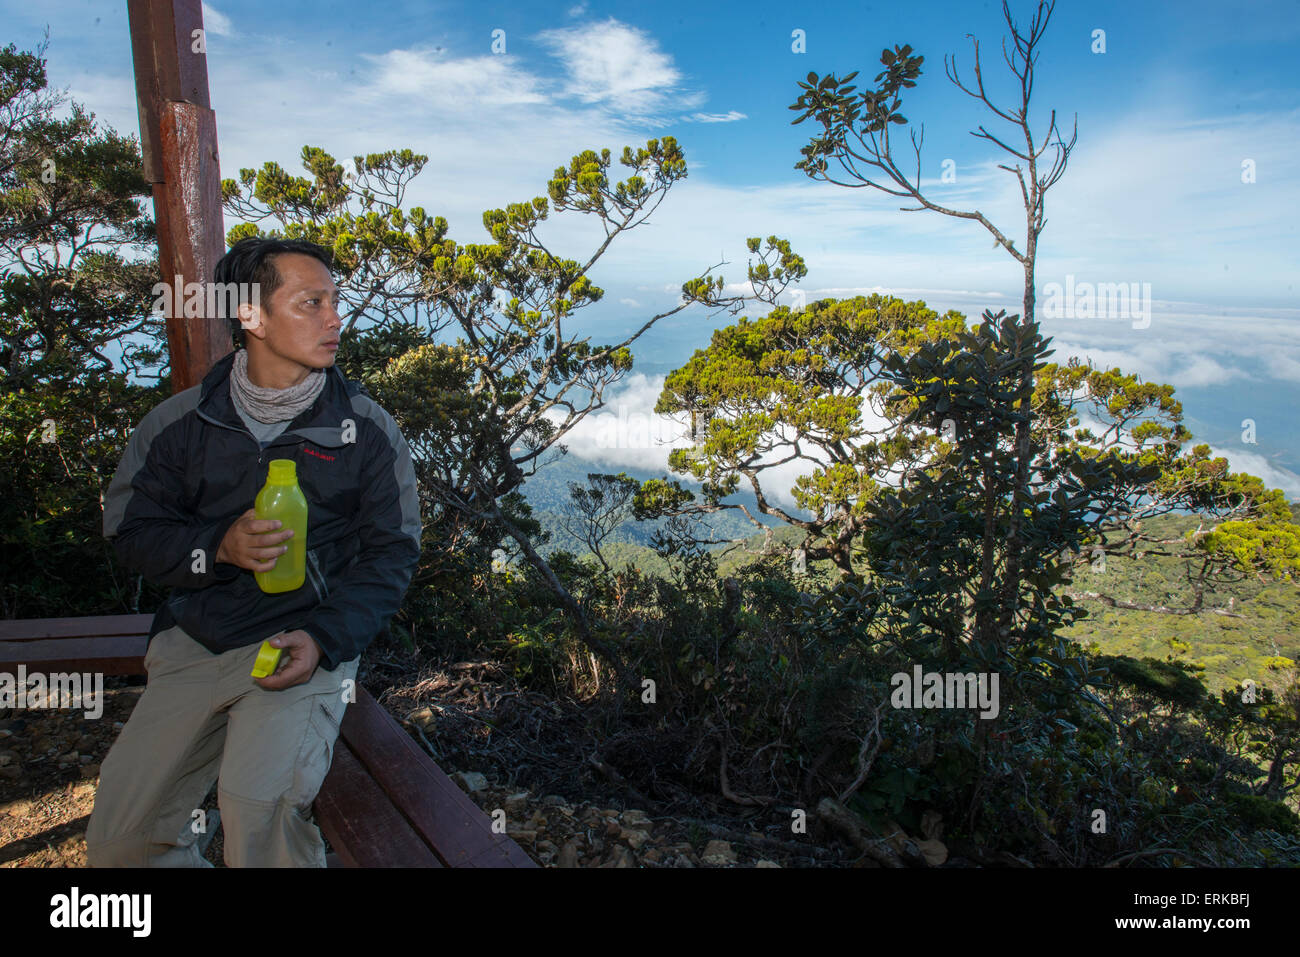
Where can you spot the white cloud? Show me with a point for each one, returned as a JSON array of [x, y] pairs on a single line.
[[729, 117], [617, 65], [626, 433], [1153, 362], [216, 22], [1283, 365], [448, 85]]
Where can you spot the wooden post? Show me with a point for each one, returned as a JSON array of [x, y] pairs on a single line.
[[178, 138]]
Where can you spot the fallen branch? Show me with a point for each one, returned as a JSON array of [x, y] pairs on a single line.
[[842, 819]]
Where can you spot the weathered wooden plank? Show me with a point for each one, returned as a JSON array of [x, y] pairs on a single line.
[[448, 820], [360, 822], [34, 629], [112, 655], [178, 137], [188, 208], [167, 67]]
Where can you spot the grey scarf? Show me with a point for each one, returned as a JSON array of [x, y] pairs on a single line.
[[272, 405]]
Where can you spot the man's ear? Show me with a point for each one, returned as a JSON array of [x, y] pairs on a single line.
[[250, 320]]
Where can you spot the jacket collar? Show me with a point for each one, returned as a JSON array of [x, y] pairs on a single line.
[[321, 422]]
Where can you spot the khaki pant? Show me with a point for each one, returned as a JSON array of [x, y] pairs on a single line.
[[202, 719]]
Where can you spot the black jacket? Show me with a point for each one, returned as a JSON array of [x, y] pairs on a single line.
[[191, 468]]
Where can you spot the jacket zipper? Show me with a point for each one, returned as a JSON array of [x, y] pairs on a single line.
[[317, 578]]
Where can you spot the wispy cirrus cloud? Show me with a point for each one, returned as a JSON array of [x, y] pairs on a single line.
[[452, 85], [618, 66], [730, 116], [216, 22]]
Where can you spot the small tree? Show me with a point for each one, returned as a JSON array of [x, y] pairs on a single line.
[[868, 119], [595, 510], [799, 387]]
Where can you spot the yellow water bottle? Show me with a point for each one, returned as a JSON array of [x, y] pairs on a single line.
[[282, 499]]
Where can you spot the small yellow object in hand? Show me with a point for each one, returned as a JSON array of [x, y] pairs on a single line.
[[268, 659]]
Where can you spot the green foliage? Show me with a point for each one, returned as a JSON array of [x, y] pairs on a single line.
[[70, 206], [808, 374], [1260, 813], [1169, 681]]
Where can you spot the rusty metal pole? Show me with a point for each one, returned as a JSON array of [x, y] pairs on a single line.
[[178, 138]]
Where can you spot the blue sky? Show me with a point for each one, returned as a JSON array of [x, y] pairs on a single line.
[[1183, 95]]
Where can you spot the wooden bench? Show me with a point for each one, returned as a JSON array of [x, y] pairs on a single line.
[[384, 803]]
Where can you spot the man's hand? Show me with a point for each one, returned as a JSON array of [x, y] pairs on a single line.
[[297, 663], [253, 543]]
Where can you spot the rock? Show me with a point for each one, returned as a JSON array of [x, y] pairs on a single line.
[[43, 744], [683, 861], [516, 802], [634, 837], [470, 780], [71, 757], [612, 829], [85, 743], [718, 854], [5, 733], [933, 851], [7, 758], [654, 855], [619, 856], [118, 726], [568, 856], [546, 847], [87, 758], [90, 771], [423, 718], [635, 816], [11, 772], [523, 835], [767, 863], [553, 800]]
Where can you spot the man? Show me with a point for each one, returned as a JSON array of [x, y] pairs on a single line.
[[179, 511]]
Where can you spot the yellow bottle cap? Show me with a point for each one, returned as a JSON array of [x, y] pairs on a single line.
[[268, 659], [282, 472]]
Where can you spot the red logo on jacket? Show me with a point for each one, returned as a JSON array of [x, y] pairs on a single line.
[[327, 458]]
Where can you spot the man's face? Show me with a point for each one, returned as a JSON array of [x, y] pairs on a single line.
[[301, 322]]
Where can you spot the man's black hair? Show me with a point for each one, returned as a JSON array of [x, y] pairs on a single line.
[[253, 261]]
